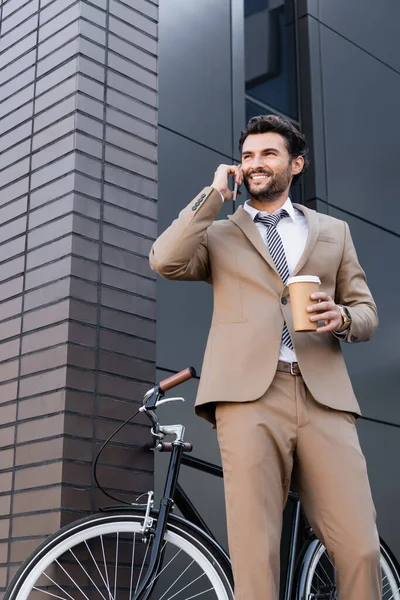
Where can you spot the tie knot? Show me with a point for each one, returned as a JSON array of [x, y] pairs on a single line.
[[270, 220]]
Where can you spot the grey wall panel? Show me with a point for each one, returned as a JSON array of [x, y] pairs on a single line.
[[195, 71], [374, 366], [238, 75], [307, 7], [312, 109], [359, 93], [374, 26], [381, 446], [183, 308], [183, 320], [205, 491]]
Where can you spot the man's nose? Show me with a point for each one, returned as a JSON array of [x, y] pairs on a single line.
[[257, 162]]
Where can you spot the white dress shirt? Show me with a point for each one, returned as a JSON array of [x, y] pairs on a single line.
[[293, 231]]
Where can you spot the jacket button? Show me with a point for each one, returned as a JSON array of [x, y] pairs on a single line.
[[284, 300]]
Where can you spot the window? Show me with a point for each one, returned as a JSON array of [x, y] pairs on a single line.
[[270, 63], [270, 57]]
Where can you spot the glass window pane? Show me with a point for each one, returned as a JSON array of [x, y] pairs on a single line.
[[270, 56], [253, 110]]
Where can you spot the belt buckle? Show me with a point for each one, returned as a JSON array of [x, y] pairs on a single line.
[[291, 368]]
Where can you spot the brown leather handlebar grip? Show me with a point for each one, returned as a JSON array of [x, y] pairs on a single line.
[[170, 382]]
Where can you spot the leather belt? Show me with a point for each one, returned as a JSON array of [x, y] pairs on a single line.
[[288, 367]]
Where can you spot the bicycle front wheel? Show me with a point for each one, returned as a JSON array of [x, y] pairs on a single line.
[[104, 557], [316, 579]]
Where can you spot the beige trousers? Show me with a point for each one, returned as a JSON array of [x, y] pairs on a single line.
[[261, 443]]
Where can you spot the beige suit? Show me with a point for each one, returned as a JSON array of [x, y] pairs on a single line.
[[270, 424], [246, 330]]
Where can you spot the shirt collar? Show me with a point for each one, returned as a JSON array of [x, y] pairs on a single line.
[[288, 206]]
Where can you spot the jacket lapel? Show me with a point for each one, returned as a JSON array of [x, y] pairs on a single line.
[[313, 233], [243, 220]]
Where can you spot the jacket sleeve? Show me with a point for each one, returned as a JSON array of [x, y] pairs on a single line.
[[352, 291], [181, 251]]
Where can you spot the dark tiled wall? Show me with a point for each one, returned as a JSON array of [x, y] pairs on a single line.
[[350, 88], [199, 128], [78, 187]]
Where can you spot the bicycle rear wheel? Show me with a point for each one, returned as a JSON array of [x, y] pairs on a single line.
[[104, 557], [316, 579]]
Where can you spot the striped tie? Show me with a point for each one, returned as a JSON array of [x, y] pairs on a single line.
[[278, 255]]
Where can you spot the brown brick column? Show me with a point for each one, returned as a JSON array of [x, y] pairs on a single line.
[[78, 188]]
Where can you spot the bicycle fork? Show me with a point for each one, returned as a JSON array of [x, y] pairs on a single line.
[[166, 505]]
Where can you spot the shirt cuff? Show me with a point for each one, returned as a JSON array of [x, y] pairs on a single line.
[[342, 335]]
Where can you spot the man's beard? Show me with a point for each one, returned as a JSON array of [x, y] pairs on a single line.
[[272, 188]]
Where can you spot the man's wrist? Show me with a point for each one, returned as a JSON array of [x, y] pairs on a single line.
[[220, 193], [342, 327]]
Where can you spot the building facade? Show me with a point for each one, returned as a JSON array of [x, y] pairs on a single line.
[[114, 114], [321, 67]]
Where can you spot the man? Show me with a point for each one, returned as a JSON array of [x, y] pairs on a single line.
[[282, 401]]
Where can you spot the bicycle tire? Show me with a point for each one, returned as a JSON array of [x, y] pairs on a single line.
[[317, 571], [50, 569]]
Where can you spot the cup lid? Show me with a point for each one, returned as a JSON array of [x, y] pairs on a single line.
[[303, 279]]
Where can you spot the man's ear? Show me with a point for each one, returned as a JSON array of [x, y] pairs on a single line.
[[297, 165]]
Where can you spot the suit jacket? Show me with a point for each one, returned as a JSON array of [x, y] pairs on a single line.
[[249, 302]]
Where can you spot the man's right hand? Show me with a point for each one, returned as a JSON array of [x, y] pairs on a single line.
[[221, 178]]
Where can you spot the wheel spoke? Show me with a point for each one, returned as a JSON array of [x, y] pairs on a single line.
[[199, 594], [320, 578], [116, 567], [394, 593], [186, 586], [98, 568], [105, 565], [132, 567], [71, 578], [324, 570], [164, 567], [87, 574], [57, 585], [176, 580], [42, 591]]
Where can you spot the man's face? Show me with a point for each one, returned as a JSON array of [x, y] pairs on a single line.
[[267, 166]]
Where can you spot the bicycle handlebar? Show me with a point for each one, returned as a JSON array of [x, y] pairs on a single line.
[[168, 446], [174, 380]]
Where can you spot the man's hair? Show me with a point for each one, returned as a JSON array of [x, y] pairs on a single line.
[[295, 141]]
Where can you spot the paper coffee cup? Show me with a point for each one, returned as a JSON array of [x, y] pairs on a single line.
[[300, 290]]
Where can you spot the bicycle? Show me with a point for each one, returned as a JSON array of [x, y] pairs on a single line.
[[139, 553]]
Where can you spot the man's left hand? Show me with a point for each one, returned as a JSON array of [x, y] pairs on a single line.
[[326, 310]]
